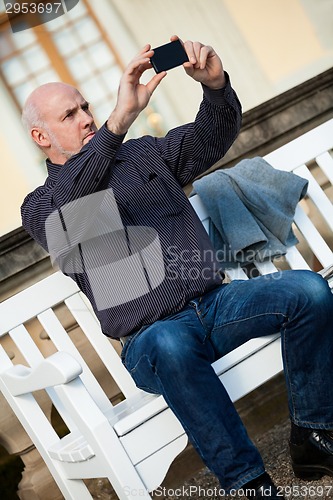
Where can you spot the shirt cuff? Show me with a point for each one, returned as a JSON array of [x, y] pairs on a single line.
[[219, 96], [105, 142]]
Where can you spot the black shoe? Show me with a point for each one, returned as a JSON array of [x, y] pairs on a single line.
[[262, 487], [312, 458]]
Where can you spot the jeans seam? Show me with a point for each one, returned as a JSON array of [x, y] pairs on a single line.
[[153, 368], [199, 315], [313, 425], [245, 479], [190, 435], [247, 318], [287, 377]]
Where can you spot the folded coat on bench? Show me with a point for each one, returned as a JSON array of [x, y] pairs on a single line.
[[251, 207]]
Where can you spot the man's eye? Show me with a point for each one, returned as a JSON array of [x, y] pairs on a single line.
[[69, 115]]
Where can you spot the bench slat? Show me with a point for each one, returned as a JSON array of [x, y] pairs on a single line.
[[265, 267], [295, 259], [26, 345], [39, 297], [302, 149], [317, 195], [87, 320], [314, 239], [62, 341], [325, 161]]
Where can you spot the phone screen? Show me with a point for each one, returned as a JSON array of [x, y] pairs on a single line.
[[168, 56]]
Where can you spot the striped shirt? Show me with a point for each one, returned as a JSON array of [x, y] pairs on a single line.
[[145, 179]]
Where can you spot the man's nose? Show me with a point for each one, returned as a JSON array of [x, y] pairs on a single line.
[[86, 118]]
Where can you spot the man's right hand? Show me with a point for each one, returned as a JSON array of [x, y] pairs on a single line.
[[133, 96]]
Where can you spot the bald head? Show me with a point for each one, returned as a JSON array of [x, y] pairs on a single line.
[[58, 119], [39, 100]]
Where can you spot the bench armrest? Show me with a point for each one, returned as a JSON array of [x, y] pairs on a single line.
[[59, 368]]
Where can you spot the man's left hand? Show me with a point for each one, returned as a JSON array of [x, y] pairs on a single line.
[[204, 64]]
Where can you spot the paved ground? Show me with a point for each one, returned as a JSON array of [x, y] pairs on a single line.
[[265, 415], [274, 450]]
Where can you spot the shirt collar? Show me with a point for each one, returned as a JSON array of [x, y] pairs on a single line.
[[53, 169]]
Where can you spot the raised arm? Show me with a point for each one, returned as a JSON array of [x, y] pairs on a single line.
[[133, 96], [191, 149]]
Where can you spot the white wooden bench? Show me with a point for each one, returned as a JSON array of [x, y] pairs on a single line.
[[134, 442]]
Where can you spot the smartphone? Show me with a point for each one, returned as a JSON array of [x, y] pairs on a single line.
[[168, 56]]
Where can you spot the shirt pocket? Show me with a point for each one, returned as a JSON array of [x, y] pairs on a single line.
[[150, 201]]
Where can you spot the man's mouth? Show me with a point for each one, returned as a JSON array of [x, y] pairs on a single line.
[[89, 136]]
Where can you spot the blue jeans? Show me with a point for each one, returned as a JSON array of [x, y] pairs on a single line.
[[173, 357]]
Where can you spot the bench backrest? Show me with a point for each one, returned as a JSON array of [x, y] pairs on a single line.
[[304, 155], [310, 157]]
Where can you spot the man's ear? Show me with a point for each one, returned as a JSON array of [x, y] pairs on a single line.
[[40, 137]]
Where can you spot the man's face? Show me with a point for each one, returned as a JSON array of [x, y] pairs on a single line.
[[69, 124]]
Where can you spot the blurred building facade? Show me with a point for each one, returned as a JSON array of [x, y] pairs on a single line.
[[268, 47]]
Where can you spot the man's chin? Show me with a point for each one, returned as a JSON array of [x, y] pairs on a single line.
[[70, 154]]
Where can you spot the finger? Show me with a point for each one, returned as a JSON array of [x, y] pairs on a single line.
[[189, 49], [204, 52], [145, 49], [146, 55], [155, 81], [146, 52], [197, 47], [139, 62], [143, 67]]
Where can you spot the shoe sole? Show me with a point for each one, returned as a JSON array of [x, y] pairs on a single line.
[[311, 472]]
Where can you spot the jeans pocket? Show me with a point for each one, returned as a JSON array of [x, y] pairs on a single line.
[[144, 376], [139, 366]]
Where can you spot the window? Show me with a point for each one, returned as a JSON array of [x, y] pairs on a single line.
[[72, 48], [24, 63], [91, 61]]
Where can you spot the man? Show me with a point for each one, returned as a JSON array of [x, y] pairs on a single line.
[[181, 317]]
